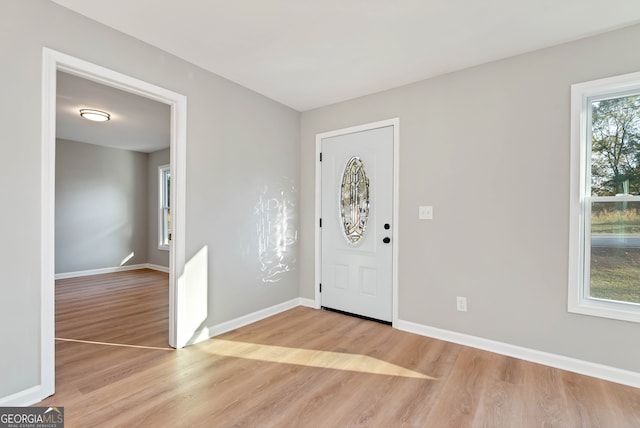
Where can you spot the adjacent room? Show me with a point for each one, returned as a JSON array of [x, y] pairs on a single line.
[[112, 212]]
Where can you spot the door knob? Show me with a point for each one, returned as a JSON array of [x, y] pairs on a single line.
[[386, 240], [387, 226]]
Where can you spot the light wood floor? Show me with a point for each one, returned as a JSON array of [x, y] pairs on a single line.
[[301, 368]]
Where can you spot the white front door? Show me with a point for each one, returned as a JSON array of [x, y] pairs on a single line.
[[357, 223]]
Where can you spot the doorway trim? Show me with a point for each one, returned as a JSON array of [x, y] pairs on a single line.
[[395, 122], [53, 61]]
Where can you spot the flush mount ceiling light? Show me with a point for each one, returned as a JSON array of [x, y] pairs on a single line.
[[95, 115]]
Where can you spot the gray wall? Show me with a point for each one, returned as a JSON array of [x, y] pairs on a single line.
[[154, 255], [101, 207], [106, 207], [240, 146], [488, 147]]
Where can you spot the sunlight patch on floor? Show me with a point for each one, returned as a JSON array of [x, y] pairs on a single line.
[[308, 357]]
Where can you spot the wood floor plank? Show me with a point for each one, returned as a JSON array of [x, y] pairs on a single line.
[[116, 307], [300, 368]]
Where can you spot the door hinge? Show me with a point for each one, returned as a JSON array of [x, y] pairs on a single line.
[[320, 156], [321, 287], [320, 222]]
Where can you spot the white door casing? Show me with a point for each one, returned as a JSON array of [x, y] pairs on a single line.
[[359, 277], [52, 61]]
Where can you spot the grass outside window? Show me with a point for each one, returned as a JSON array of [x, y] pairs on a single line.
[[615, 260]]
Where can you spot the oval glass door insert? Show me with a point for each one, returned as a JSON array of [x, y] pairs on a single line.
[[354, 200]]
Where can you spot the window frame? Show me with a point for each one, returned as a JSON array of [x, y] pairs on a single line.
[[582, 95], [164, 204]]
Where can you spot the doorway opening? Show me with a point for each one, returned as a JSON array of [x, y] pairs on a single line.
[[108, 216], [53, 62]]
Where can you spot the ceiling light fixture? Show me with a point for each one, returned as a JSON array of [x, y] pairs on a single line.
[[95, 115]]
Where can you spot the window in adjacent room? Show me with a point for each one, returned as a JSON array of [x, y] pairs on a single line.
[[164, 199], [604, 277]]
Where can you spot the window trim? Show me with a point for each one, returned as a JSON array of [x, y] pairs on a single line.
[[582, 94], [163, 244]]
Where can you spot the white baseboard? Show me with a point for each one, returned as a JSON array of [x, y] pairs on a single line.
[[600, 371], [309, 303], [215, 330], [23, 398], [111, 270], [159, 268]]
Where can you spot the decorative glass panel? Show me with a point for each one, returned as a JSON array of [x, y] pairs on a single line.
[[354, 200]]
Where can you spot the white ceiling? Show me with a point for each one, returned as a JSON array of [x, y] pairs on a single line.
[[310, 53], [137, 123]]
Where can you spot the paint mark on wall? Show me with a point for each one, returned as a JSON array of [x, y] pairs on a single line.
[[277, 232]]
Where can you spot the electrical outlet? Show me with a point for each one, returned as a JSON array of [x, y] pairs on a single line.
[[425, 212], [461, 304]]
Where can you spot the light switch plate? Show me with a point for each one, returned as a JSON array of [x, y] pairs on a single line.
[[461, 304], [425, 212]]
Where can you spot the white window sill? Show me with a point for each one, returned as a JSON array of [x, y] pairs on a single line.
[[607, 309]]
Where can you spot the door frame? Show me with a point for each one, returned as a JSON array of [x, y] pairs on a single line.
[[395, 122], [52, 62]]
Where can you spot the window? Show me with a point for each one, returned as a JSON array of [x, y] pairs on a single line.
[[164, 201], [604, 260]]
